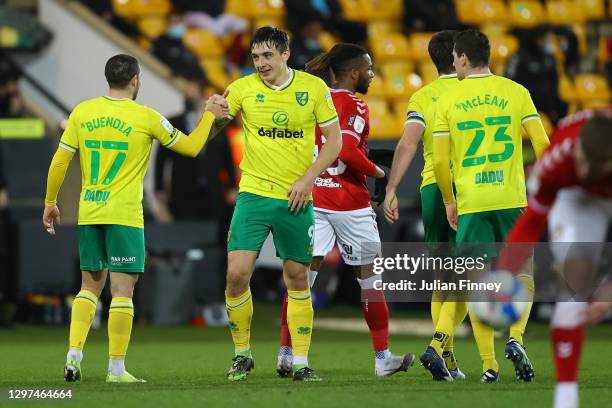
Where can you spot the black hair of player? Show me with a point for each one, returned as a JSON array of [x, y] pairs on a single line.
[[120, 69], [476, 47], [272, 37], [440, 50], [595, 141], [338, 61]]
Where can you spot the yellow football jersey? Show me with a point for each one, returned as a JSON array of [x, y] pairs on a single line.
[[483, 116], [422, 109], [279, 125], [114, 138]]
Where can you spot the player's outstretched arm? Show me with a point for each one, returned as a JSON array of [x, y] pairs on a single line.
[[402, 158], [55, 179], [299, 193], [537, 135], [442, 171], [193, 144]]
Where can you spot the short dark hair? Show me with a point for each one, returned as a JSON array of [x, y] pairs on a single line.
[[595, 140], [120, 69], [271, 36], [440, 50], [475, 45]]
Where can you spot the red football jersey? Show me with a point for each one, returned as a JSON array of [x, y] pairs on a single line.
[[343, 186], [556, 170]]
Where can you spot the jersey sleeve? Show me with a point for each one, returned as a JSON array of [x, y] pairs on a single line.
[[70, 137], [324, 109], [353, 118], [441, 126], [416, 111], [234, 97], [528, 110], [162, 129]]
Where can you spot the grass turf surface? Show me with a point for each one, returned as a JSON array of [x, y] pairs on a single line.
[[186, 367]]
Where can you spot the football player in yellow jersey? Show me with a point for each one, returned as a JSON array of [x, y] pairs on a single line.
[[446, 315], [280, 108], [478, 127], [114, 135]]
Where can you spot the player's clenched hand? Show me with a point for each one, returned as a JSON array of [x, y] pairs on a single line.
[[299, 193], [596, 312], [451, 214], [217, 105], [51, 216], [391, 208]]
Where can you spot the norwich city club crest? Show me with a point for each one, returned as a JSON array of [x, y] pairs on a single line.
[[301, 98]]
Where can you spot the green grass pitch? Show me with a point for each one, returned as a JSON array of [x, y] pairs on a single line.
[[186, 367]]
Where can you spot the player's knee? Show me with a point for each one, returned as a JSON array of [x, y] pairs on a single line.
[[237, 281], [316, 263], [93, 281], [123, 286]]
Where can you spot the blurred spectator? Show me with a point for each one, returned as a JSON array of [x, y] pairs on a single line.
[[329, 13], [210, 15], [534, 66], [305, 44], [200, 188], [104, 10], [568, 43], [430, 15], [11, 103], [169, 49]]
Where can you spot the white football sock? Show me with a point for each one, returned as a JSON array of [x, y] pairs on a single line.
[[566, 395], [116, 367], [74, 354]]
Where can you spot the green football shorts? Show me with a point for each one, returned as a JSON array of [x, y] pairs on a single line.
[[256, 216], [437, 228], [116, 247], [478, 232]]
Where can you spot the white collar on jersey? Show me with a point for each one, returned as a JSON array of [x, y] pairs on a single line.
[[339, 90], [479, 75], [448, 76], [277, 87], [117, 99]]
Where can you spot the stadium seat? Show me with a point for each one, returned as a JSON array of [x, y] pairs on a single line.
[[419, 43], [593, 9], [383, 10], [526, 13], [351, 10], [393, 46], [592, 89], [203, 43], [479, 12], [567, 90], [134, 9], [377, 87], [381, 27], [400, 87], [385, 127], [493, 29], [396, 68], [240, 8], [428, 71], [273, 21], [267, 8], [377, 105], [152, 26], [604, 51], [564, 12], [503, 47], [327, 40]]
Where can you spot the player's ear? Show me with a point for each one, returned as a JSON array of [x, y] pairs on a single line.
[[286, 54]]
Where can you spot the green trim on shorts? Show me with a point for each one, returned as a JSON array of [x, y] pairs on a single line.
[[256, 216], [117, 247]]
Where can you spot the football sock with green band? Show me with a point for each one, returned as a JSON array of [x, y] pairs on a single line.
[[240, 313], [83, 312], [518, 329], [300, 316], [120, 317]]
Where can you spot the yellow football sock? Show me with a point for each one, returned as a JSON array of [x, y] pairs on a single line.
[[447, 353], [518, 329], [120, 317], [445, 327], [240, 313], [83, 312], [436, 305], [484, 340], [299, 319]]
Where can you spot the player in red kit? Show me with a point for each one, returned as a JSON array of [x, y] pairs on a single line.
[[571, 189], [343, 214]]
